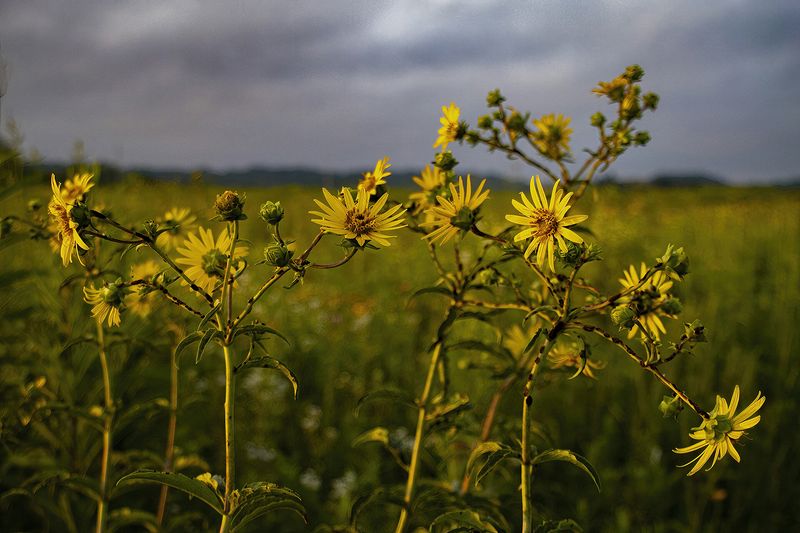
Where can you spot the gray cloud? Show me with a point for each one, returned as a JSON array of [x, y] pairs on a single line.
[[339, 84]]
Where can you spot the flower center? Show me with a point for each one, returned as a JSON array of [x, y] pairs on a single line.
[[545, 223], [214, 262], [358, 222]]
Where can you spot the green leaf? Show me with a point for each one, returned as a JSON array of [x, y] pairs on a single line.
[[497, 351], [485, 457], [265, 361], [461, 521], [257, 330], [207, 336], [567, 525], [188, 340], [393, 396], [121, 518], [209, 316], [456, 404], [192, 487], [571, 457], [533, 340], [377, 434], [257, 499], [444, 291]]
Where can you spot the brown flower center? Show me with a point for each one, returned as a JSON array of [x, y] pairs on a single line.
[[359, 222], [545, 223]]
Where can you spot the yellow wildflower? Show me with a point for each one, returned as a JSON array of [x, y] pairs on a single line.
[[140, 302], [547, 222], [60, 212], [205, 258], [457, 213], [430, 181], [75, 189], [371, 180], [106, 302], [356, 219], [449, 121], [180, 222], [647, 308], [552, 135], [568, 355], [721, 430]]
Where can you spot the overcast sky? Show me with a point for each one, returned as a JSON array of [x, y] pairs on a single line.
[[338, 84]]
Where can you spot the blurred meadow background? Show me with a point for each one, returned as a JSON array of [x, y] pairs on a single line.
[[308, 97]]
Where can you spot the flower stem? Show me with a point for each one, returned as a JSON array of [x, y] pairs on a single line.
[[108, 414], [230, 454], [414, 466], [169, 453]]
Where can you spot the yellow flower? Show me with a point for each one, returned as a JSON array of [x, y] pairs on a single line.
[[546, 221], [75, 189], [721, 430], [552, 135], [106, 302], [141, 302], [449, 121], [371, 180], [205, 258], [431, 180], [647, 306], [180, 222], [60, 213], [356, 219], [568, 355], [614, 89], [456, 214]]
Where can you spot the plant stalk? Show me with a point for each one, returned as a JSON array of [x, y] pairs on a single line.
[[108, 415]]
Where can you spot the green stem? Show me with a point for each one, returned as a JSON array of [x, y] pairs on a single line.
[[108, 414], [169, 453], [230, 455], [414, 466]]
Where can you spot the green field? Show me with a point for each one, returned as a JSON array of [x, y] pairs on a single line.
[[354, 330]]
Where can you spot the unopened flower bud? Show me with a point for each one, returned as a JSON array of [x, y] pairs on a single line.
[[650, 100], [151, 228], [695, 331], [485, 122], [598, 119], [277, 254], [445, 160], [488, 277], [230, 206], [271, 212], [623, 316], [672, 306], [676, 260], [494, 98], [634, 73], [641, 138]]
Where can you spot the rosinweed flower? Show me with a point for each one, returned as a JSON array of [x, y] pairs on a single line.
[[647, 302], [456, 214], [179, 222], [449, 122], [430, 181], [372, 180], [75, 189], [205, 257], [567, 355], [140, 301], [67, 229], [106, 302], [547, 222], [355, 219], [552, 135], [721, 430]]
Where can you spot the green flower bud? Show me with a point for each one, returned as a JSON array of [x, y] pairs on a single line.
[[112, 294], [461, 130], [695, 331], [641, 138], [277, 254], [650, 101], [34, 204], [271, 212], [672, 306], [488, 277], [230, 206], [623, 316], [485, 122], [151, 228], [670, 406], [494, 98], [516, 122], [676, 260], [445, 160], [598, 119], [464, 219], [634, 73]]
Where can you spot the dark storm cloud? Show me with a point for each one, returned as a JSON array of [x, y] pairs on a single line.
[[338, 84]]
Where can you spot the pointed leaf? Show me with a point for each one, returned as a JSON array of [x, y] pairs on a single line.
[[191, 338], [209, 316], [190, 486], [485, 457], [257, 499], [207, 336], [461, 521], [571, 457], [394, 396], [378, 434], [257, 330], [265, 361]]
